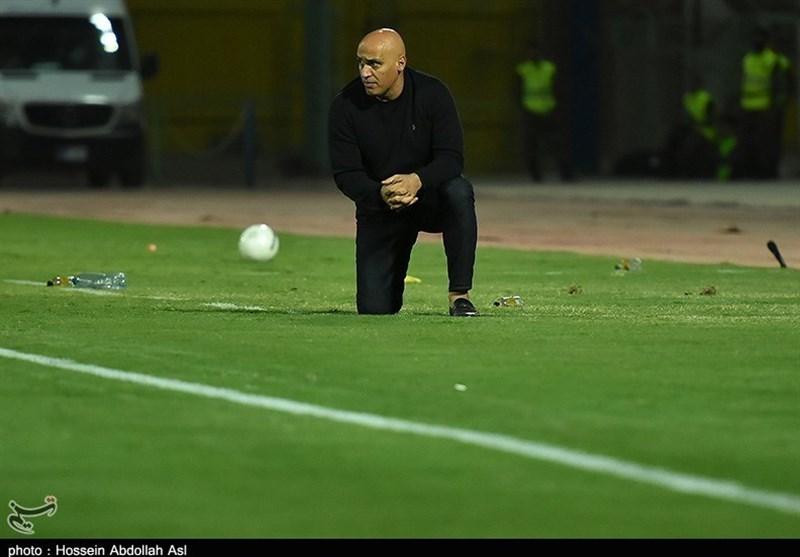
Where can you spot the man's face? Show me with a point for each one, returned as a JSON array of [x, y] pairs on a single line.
[[379, 67]]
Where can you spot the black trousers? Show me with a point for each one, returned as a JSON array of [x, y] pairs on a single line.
[[384, 241], [758, 152]]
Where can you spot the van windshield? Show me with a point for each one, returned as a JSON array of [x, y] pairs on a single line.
[[64, 43]]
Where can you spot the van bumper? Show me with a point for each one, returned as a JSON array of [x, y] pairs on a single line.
[[21, 149]]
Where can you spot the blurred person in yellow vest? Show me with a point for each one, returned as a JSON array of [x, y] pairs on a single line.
[[702, 145], [765, 91], [542, 114]]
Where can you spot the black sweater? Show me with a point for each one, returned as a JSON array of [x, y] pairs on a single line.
[[370, 140]]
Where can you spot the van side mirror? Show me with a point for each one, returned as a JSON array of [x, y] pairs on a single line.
[[149, 65]]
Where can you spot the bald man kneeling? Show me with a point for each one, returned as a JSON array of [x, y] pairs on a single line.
[[396, 148]]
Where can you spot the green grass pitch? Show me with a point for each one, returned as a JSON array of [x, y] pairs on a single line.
[[639, 366]]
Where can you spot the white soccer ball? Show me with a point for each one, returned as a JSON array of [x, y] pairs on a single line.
[[258, 242]]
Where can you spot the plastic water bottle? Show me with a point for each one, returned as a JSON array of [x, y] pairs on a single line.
[[104, 281], [508, 301], [634, 264]]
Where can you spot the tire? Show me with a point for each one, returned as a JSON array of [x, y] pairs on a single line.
[[131, 167], [98, 178], [131, 175]]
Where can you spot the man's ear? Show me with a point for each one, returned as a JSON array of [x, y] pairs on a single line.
[[401, 64]]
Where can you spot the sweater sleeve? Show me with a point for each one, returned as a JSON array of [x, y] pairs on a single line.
[[447, 159], [348, 168]]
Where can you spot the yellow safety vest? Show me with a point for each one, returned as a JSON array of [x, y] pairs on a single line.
[[537, 85], [757, 68], [696, 104]]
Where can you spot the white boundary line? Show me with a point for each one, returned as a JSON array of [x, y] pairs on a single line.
[[234, 307], [25, 282], [673, 481]]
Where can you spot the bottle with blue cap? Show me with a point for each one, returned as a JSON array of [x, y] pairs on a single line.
[[100, 281]]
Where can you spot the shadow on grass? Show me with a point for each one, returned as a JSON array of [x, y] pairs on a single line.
[[268, 311], [317, 311]]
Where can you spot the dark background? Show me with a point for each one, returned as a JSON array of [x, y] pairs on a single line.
[[253, 78]]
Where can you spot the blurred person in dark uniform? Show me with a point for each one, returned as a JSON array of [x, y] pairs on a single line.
[[701, 145], [694, 154], [542, 115], [765, 91], [396, 148]]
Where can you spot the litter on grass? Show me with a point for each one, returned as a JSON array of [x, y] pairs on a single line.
[[508, 301]]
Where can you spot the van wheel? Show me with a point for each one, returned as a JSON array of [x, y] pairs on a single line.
[[99, 178], [132, 175]]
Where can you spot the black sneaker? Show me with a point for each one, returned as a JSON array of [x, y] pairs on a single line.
[[463, 308]]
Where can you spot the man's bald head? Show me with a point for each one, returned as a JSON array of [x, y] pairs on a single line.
[[386, 40], [381, 58]]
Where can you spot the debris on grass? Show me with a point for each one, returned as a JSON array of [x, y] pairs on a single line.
[[633, 264], [705, 291], [508, 301], [574, 289]]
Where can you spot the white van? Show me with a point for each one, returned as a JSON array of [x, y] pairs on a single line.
[[70, 89]]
